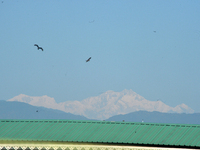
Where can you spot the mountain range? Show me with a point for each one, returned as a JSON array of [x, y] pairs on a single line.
[[158, 117], [20, 110], [104, 106]]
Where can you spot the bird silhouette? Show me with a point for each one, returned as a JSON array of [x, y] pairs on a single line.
[[38, 47], [88, 59], [91, 21]]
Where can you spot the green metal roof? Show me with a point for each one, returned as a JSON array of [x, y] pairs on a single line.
[[176, 135]]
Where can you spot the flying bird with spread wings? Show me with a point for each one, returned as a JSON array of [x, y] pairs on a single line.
[[38, 47], [91, 21], [88, 59]]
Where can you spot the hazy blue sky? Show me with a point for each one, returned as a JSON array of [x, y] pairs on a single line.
[[151, 47]]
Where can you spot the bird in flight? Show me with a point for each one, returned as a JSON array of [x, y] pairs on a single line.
[[38, 47], [91, 21], [88, 59]]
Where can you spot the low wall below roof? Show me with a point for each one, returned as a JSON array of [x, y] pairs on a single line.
[[70, 146]]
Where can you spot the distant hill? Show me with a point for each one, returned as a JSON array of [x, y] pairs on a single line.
[[105, 105], [20, 110], [158, 117]]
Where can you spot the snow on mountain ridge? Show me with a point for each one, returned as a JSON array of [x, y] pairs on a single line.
[[105, 105], [44, 101]]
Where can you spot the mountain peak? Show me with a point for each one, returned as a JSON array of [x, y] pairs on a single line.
[[44, 100]]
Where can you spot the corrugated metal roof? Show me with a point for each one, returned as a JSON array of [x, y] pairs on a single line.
[[101, 132]]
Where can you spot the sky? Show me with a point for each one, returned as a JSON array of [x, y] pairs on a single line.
[[151, 47]]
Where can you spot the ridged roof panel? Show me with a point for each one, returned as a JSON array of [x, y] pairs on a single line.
[[101, 132]]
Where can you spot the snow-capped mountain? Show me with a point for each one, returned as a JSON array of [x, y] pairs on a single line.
[[105, 105]]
